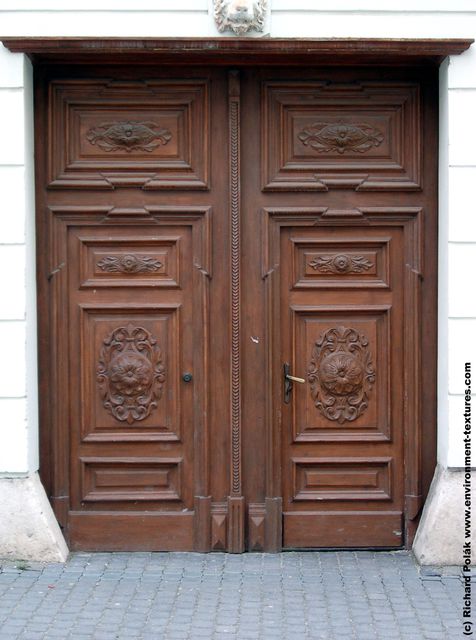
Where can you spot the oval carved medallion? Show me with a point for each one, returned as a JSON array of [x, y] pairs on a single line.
[[130, 373], [341, 374]]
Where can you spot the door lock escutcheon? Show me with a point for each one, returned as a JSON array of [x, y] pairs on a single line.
[[288, 382]]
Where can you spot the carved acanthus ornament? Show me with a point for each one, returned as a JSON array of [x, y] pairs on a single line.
[[128, 136], [325, 137], [340, 263], [240, 16], [341, 374], [130, 373], [129, 264]]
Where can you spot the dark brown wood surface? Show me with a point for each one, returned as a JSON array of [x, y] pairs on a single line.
[[225, 51], [198, 228]]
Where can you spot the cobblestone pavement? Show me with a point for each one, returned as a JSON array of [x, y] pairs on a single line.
[[175, 596]]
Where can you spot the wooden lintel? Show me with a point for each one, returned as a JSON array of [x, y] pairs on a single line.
[[247, 50]]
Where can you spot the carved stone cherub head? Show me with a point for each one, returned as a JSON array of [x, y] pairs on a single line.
[[240, 16]]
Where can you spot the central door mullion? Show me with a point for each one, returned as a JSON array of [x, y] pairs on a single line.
[[236, 502]]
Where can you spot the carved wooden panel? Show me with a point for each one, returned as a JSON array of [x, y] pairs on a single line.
[[107, 133], [130, 372], [360, 262], [342, 478], [341, 373], [323, 135], [345, 357], [133, 262], [130, 479]]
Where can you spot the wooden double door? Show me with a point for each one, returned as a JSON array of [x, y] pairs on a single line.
[[237, 290]]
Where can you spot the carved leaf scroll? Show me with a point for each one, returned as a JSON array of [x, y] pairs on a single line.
[[325, 137], [130, 373], [341, 374], [340, 263], [128, 136], [129, 264]]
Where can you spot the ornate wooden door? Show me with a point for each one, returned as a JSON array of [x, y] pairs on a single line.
[[125, 216], [187, 273], [345, 199]]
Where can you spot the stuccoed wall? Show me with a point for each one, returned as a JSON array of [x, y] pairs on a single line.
[[194, 18]]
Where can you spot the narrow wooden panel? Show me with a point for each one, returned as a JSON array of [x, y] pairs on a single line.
[[236, 502], [330, 529], [341, 263], [137, 262], [219, 527], [203, 524], [320, 135], [144, 479], [256, 527], [341, 479], [139, 531]]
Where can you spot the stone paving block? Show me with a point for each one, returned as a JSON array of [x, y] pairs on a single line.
[[288, 596]]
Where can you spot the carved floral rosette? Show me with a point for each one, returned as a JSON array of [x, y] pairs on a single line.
[[341, 374], [129, 264], [341, 263], [130, 373]]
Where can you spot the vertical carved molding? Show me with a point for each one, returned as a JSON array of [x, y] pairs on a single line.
[[413, 375], [236, 500]]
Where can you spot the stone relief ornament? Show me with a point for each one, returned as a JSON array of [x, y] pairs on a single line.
[[128, 136], [130, 373], [340, 263], [341, 374], [240, 16], [325, 137]]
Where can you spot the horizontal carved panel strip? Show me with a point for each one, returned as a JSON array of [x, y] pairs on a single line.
[[342, 478], [341, 263], [129, 264], [318, 135], [151, 134], [125, 479]]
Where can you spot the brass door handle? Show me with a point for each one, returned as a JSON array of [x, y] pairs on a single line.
[[294, 379], [288, 382]]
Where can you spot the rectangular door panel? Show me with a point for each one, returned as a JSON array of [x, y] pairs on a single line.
[[108, 133], [345, 356], [320, 134], [131, 373]]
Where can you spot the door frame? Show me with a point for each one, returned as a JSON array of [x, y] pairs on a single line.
[[241, 52]]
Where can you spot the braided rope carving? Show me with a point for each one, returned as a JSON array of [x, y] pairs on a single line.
[[234, 133]]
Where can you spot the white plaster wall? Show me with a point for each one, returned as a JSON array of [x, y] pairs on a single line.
[[18, 427], [183, 18]]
